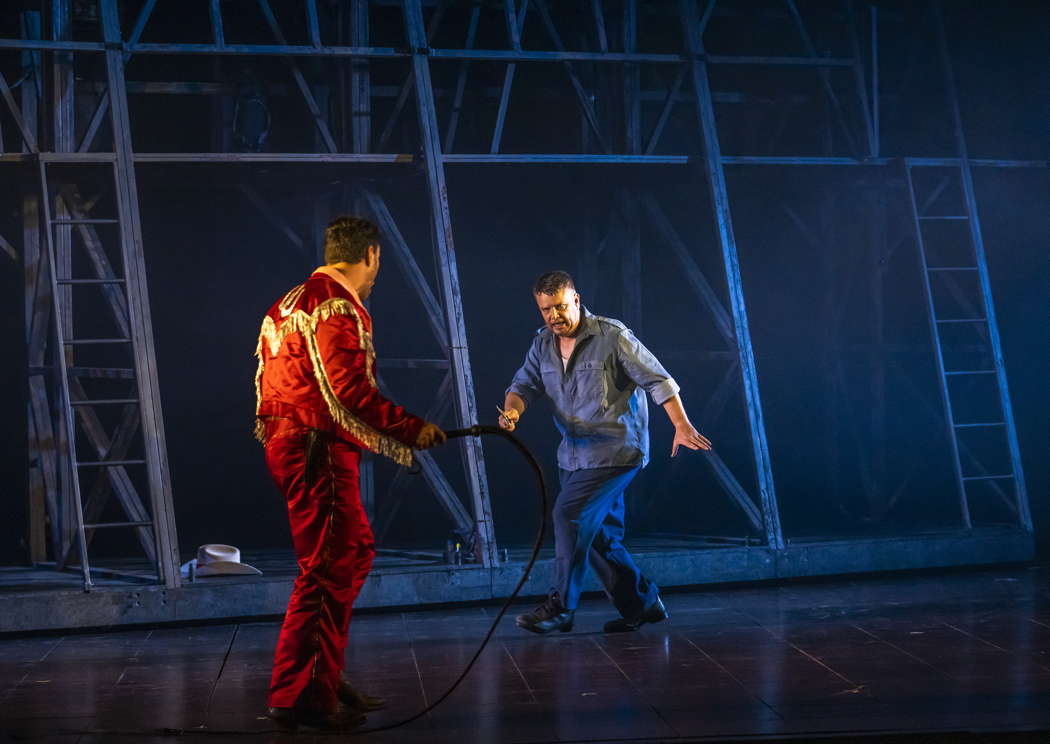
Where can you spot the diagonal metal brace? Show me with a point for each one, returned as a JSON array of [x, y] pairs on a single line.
[[694, 275], [8, 249], [409, 267], [9, 99], [300, 81], [581, 94]]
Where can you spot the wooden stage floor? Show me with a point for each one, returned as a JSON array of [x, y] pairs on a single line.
[[951, 652]]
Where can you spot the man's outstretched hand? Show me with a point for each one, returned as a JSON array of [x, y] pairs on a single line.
[[688, 436], [429, 436]]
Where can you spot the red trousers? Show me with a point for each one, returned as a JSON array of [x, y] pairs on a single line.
[[334, 546]]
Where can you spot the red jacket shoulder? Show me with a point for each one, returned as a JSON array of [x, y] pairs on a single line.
[[318, 288], [307, 296]]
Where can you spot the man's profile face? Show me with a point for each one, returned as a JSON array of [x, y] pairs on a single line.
[[372, 264], [560, 311]]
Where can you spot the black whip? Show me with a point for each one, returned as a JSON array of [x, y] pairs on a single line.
[[473, 431], [477, 431]]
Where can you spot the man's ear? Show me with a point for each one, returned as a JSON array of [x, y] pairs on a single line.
[[372, 253]]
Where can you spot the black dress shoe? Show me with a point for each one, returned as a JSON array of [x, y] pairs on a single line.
[[654, 613], [357, 700], [291, 719], [285, 718], [549, 616]]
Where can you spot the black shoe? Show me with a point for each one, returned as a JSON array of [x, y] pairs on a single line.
[[291, 719], [654, 613], [285, 718], [549, 616], [357, 700]]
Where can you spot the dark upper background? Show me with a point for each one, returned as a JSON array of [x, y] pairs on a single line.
[[215, 264]]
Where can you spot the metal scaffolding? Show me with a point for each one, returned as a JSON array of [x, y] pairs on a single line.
[[80, 121]]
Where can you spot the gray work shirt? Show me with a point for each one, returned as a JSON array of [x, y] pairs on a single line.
[[599, 398]]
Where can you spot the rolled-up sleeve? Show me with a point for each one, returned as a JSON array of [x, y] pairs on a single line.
[[527, 381], [645, 369]]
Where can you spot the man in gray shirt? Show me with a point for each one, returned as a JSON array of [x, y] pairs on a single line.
[[596, 374]]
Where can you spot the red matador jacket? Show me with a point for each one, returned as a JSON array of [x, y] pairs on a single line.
[[317, 367]]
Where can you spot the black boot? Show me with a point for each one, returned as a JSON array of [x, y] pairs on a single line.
[[291, 719], [549, 616], [357, 700], [654, 613]]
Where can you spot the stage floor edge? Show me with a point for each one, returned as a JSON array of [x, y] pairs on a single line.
[[417, 586]]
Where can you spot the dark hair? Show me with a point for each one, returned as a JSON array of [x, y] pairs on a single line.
[[347, 239], [553, 282]]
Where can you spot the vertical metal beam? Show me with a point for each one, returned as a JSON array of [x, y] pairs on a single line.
[[218, 35], [861, 82], [969, 194], [461, 81], [158, 474], [63, 128], [406, 86], [448, 274], [632, 80], [312, 23], [514, 33], [99, 114], [360, 80], [61, 250], [43, 491], [723, 220]]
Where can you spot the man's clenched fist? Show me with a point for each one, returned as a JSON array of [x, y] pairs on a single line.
[[429, 436], [508, 419]]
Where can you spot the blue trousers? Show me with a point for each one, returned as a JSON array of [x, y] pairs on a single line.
[[588, 529]]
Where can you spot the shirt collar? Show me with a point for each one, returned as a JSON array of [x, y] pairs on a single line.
[[340, 278], [588, 325]]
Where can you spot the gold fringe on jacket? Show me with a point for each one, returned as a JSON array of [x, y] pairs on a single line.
[[273, 335]]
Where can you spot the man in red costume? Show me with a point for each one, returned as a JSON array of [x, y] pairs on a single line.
[[318, 406]]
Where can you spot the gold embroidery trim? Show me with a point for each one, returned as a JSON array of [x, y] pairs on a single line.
[[289, 300], [273, 336]]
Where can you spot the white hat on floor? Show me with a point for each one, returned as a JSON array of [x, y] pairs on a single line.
[[214, 559]]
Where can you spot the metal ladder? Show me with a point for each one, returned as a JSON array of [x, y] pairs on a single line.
[[981, 316], [154, 526]]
